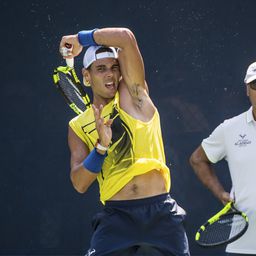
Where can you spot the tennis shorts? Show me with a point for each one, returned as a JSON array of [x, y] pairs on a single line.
[[148, 226]]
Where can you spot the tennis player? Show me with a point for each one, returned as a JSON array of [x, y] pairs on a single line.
[[235, 141], [119, 142]]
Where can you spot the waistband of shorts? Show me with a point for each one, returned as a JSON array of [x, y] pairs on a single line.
[[138, 202]]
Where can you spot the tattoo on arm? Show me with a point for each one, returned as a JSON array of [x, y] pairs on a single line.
[[135, 91]]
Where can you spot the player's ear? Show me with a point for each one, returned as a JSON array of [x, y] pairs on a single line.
[[86, 77], [247, 90]]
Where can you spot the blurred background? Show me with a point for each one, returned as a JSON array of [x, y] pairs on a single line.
[[196, 53]]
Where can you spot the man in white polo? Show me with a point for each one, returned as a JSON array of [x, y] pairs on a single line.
[[235, 141]]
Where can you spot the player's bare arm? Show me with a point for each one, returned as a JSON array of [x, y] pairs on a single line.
[[205, 172], [133, 82], [80, 177]]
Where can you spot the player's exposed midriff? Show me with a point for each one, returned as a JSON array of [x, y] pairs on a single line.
[[142, 186]]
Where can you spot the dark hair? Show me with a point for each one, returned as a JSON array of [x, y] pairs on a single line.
[[252, 82]]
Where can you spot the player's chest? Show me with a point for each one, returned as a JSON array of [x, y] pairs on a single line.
[[241, 144]]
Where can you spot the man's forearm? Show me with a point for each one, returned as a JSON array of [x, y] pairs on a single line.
[[207, 176], [81, 178]]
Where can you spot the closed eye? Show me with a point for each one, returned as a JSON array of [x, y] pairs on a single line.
[[115, 67]]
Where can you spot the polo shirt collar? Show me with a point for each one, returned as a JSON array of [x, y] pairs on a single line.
[[249, 115]]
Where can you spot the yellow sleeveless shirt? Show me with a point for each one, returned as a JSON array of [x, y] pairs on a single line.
[[136, 147]]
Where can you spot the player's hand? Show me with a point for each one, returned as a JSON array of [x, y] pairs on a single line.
[[225, 198], [103, 128], [74, 49]]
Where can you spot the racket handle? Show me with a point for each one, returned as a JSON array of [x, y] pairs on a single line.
[[70, 62], [67, 51]]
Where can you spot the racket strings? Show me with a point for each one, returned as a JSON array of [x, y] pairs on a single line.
[[70, 90], [224, 229]]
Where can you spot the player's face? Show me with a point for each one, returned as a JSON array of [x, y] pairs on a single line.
[[104, 76]]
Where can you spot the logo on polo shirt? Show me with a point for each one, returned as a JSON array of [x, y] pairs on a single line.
[[90, 252], [242, 142]]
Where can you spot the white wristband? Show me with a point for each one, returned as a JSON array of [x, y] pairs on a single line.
[[100, 147]]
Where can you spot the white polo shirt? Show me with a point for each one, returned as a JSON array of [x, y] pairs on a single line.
[[235, 141]]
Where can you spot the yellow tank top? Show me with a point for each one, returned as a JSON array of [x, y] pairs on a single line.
[[136, 147]]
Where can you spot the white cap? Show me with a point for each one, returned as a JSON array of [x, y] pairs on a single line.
[[90, 55], [251, 73]]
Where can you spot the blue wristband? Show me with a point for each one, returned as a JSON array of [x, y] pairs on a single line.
[[94, 161], [85, 38]]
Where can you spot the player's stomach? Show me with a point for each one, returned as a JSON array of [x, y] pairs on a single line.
[[146, 185]]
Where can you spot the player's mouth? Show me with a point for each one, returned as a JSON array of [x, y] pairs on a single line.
[[110, 85]]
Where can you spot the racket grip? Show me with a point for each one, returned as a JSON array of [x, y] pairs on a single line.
[[66, 51], [70, 62]]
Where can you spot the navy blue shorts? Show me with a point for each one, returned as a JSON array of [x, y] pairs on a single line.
[[149, 226]]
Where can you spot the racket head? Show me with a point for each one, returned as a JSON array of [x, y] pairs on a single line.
[[72, 90], [225, 227]]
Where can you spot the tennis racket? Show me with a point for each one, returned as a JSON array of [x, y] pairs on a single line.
[[224, 227], [67, 82]]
